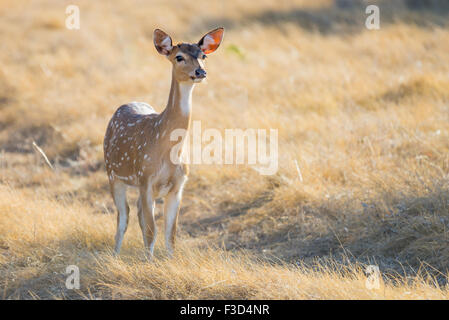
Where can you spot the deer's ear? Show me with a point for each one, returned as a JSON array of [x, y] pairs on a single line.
[[162, 42], [210, 42]]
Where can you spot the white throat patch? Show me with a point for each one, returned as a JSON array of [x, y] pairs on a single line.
[[185, 99]]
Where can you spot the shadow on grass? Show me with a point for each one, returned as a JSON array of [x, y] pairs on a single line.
[[404, 235]]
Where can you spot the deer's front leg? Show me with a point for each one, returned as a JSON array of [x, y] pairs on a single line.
[[171, 210], [146, 219]]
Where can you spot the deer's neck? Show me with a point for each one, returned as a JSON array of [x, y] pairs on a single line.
[[177, 113]]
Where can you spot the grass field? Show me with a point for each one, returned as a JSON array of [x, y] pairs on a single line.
[[364, 114]]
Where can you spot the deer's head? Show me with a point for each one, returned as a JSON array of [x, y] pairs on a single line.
[[188, 58]]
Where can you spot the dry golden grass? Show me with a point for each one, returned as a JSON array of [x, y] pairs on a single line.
[[44, 236], [364, 113]]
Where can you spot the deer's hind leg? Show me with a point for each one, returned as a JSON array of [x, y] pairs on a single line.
[[118, 190]]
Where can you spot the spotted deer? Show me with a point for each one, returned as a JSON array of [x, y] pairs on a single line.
[[137, 143]]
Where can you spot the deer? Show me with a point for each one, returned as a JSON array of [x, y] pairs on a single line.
[[137, 144]]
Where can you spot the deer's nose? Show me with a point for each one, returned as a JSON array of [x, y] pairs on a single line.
[[200, 73]]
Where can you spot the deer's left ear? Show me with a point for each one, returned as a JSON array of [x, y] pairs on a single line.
[[210, 42]]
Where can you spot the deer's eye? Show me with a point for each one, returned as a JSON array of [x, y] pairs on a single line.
[[179, 58]]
